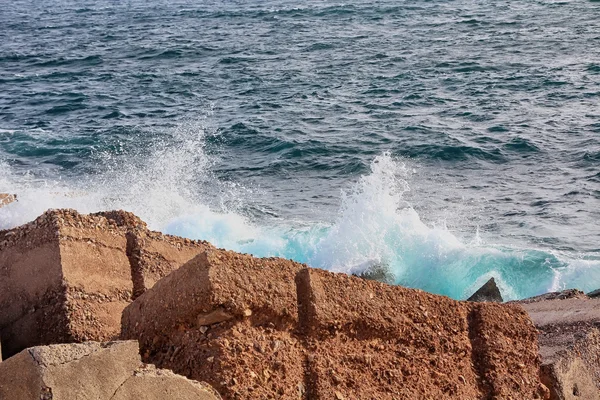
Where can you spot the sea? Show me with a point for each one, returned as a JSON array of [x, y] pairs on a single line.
[[433, 144]]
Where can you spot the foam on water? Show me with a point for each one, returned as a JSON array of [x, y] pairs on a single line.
[[376, 231]]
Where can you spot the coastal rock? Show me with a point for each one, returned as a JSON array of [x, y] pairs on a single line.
[[287, 331], [414, 344], [594, 294], [378, 272], [91, 370], [565, 294], [569, 344], [153, 255], [6, 199], [488, 292], [66, 277], [227, 319]]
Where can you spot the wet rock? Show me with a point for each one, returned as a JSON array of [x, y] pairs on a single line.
[[594, 294], [489, 292], [565, 294], [379, 273]]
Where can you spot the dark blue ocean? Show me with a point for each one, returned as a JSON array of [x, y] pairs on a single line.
[[442, 142]]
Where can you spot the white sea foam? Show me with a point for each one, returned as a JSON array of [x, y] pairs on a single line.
[[168, 186]]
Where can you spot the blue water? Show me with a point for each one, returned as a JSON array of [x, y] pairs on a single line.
[[441, 142]]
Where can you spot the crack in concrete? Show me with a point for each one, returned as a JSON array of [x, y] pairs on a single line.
[[120, 386]]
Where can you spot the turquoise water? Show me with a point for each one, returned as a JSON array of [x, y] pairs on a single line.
[[442, 142]]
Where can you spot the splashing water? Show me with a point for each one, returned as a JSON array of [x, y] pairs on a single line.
[[376, 230]]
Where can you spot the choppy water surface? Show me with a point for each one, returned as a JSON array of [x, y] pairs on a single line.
[[444, 141]]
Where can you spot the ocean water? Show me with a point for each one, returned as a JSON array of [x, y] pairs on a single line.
[[438, 143]]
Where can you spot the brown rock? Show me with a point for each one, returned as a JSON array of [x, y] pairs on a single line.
[[569, 344], [241, 324], [505, 351], [370, 340], [154, 255], [6, 199], [66, 277], [109, 371], [224, 318]]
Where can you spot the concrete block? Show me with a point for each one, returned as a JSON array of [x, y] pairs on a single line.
[[372, 340], [153, 256], [98, 371], [569, 344], [225, 318], [65, 278]]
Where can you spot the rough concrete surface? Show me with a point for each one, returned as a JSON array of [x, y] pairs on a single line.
[[92, 370], [271, 328], [154, 255], [66, 277], [569, 343], [234, 330], [413, 344]]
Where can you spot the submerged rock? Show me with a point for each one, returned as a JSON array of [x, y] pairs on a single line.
[[487, 293]]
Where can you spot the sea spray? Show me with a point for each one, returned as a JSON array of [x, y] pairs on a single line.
[[376, 231]]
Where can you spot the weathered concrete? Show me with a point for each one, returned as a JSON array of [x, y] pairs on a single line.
[[260, 328], [92, 370], [66, 277], [569, 344], [224, 318], [571, 373], [153, 256], [396, 334]]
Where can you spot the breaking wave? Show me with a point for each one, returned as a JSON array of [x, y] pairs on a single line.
[[375, 232]]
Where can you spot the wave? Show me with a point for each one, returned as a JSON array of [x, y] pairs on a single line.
[[375, 232]]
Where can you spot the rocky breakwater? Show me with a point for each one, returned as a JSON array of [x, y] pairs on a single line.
[[569, 341], [91, 370], [251, 328], [66, 277], [272, 328]]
